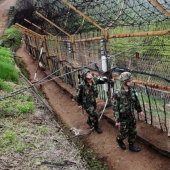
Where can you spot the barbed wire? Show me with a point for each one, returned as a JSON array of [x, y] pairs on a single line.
[[42, 81], [108, 14]]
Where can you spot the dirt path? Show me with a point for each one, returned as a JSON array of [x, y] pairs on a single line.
[[4, 7], [104, 145]]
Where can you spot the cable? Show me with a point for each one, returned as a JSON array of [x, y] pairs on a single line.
[[42, 82]]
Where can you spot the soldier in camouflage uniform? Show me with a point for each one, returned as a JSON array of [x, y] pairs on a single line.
[[86, 97], [125, 103]]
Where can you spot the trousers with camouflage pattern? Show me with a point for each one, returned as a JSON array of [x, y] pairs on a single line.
[[124, 106], [128, 127], [92, 114]]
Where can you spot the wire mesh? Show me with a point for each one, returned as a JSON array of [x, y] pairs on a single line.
[[107, 14], [147, 57]]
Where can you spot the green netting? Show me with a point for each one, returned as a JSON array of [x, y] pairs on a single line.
[[108, 14]]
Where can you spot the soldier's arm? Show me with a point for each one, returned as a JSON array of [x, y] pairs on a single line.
[[79, 96], [137, 105], [139, 108], [116, 107], [101, 80]]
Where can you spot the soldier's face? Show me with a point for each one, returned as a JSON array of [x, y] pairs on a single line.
[[89, 76], [129, 83]]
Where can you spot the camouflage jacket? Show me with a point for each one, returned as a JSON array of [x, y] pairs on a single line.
[[125, 103], [87, 94]]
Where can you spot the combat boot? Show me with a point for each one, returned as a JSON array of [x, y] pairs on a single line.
[[134, 148], [89, 123], [121, 143], [97, 129]]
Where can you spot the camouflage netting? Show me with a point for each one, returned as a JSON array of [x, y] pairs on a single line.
[[108, 14], [145, 54]]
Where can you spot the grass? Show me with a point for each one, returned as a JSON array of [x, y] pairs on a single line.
[[20, 104], [7, 68], [10, 141], [6, 86], [42, 130], [9, 72], [11, 38], [159, 103], [6, 56]]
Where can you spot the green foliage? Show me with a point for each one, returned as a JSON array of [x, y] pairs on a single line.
[[9, 109], [42, 130], [9, 141], [10, 136], [6, 86], [8, 72], [7, 69], [17, 105], [20, 147], [6, 56], [11, 38], [25, 107], [143, 44]]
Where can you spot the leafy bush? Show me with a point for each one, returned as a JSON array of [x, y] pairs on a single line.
[[7, 69], [17, 105], [5, 86], [24, 107], [11, 38], [8, 72], [6, 55]]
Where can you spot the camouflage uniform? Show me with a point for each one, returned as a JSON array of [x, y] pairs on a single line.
[[124, 105], [86, 97]]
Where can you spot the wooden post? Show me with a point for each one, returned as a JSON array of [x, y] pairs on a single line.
[[74, 61], [59, 55], [49, 59]]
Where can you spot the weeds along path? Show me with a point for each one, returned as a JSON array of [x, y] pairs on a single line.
[[35, 140], [104, 145]]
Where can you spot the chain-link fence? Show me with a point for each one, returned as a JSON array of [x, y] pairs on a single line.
[[122, 35]]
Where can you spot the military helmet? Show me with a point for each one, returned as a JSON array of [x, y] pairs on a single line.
[[125, 76], [84, 72]]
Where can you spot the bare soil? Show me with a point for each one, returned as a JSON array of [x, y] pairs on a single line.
[[104, 144]]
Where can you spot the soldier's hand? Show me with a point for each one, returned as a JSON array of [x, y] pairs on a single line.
[[80, 107], [142, 115], [117, 124]]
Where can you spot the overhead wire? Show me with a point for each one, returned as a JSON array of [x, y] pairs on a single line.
[[42, 81]]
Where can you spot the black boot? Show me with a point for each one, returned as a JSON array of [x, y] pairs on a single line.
[[89, 123], [121, 143], [134, 148], [97, 129]]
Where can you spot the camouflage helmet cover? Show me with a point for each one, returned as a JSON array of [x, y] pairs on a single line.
[[84, 72], [125, 76]]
